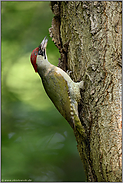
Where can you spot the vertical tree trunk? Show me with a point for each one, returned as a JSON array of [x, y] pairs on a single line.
[[88, 36]]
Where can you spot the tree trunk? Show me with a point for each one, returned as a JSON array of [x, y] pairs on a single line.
[[88, 36]]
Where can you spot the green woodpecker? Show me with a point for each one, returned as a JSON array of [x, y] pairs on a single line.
[[63, 92]]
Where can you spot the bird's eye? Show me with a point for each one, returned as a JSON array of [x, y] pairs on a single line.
[[40, 52]]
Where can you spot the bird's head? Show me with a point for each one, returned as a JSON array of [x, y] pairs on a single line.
[[39, 52]]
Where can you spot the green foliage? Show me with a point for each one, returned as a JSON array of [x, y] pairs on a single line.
[[37, 143]]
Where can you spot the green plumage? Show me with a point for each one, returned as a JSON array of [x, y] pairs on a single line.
[[57, 89]]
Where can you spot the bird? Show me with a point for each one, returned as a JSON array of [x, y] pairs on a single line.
[[60, 88]]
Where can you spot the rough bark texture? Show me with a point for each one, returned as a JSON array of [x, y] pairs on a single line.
[[88, 36]]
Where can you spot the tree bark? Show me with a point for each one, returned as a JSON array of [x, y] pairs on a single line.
[[88, 36]]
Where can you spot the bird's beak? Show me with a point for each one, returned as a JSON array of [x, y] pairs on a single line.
[[44, 43]]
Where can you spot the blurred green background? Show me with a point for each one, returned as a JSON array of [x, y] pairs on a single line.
[[37, 142]]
